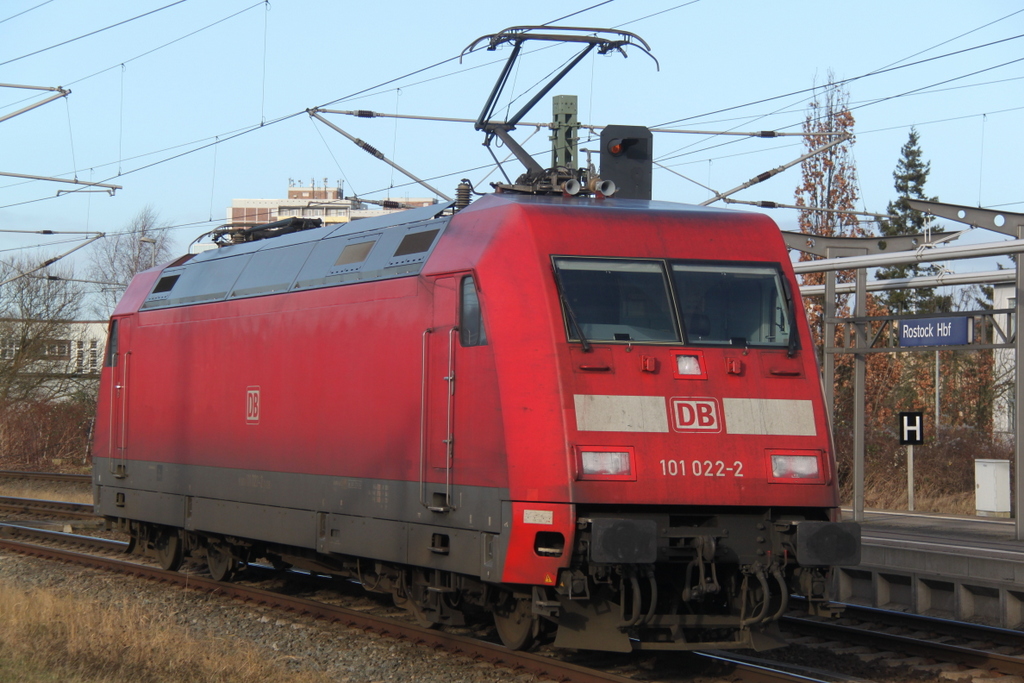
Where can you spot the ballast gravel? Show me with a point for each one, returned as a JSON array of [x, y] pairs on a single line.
[[340, 653]]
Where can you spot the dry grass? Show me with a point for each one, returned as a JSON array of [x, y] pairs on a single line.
[[47, 636], [888, 494], [46, 490]]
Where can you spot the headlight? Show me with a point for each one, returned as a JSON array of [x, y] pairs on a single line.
[[690, 365], [611, 463], [795, 467]]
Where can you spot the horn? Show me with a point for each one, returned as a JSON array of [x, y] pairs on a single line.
[[571, 187], [606, 187]]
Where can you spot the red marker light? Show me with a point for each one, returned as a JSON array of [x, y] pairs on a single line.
[[615, 146]]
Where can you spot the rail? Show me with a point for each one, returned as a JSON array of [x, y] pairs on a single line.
[[46, 476], [34, 506], [933, 648]]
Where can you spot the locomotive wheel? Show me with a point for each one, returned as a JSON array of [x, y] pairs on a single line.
[[169, 549], [516, 624], [221, 562]]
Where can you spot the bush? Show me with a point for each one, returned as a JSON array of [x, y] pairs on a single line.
[[46, 435], [943, 469]]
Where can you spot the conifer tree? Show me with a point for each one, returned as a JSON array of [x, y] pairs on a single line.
[[909, 179]]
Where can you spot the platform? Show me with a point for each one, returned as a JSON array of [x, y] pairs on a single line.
[[965, 568]]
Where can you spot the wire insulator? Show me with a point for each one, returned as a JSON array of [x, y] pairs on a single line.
[[389, 204], [370, 149], [462, 195], [366, 114]]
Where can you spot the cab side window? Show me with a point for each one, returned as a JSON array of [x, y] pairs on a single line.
[[110, 357], [471, 321]]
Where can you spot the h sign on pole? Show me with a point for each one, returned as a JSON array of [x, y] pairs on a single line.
[[911, 429], [911, 434]]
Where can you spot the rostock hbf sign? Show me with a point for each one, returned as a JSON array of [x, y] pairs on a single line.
[[936, 331]]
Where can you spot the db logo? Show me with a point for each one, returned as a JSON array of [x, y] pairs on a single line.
[[696, 415], [252, 405]]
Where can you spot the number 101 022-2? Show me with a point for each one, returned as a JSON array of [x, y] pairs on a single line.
[[701, 468]]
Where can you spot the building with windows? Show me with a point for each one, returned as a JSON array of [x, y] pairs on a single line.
[[60, 350], [315, 201]]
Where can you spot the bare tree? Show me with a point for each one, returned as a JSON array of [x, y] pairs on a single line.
[[36, 331], [46, 398], [118, 257], [829, 181]]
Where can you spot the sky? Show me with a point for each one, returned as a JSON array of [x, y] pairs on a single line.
[[187, 104]]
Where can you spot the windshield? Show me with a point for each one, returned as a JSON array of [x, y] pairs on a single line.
[[732, 305], [705, 303], [618, 300]]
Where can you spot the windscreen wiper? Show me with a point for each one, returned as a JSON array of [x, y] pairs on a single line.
[[794, 339], [568, 309]]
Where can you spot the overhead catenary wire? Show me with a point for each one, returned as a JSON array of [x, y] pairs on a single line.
[[30, 247], [263, 91], [760, 178], [865, 104], [577, 12], [800, 108], [655, 14], [71, 240], [91, 33], [217, 141], [58, 278], [958, 37], [61, 92], [777, 205], [124, 62], [377, 154], [240, 132], [168, 43], [679, 152], [331, 152], [916, 91], [71, 137], [363, 113], [51, 232], [861, 133], [51, 261], [26, 11], [107, 186], [920, 52], [844, 81]]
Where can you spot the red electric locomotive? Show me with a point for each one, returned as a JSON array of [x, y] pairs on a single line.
[[598, 419]]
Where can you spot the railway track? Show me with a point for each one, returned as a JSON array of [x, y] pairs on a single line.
[[46, 476], [47, 508], [101, 553], [971, 645], [865, 629]]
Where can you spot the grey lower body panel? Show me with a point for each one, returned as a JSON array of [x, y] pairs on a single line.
[[263, 522], [376, 519]]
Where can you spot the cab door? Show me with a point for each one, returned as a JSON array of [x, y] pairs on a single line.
[[118, 360], [440, 343]]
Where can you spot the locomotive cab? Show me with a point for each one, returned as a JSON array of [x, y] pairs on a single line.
[[692, 458]]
